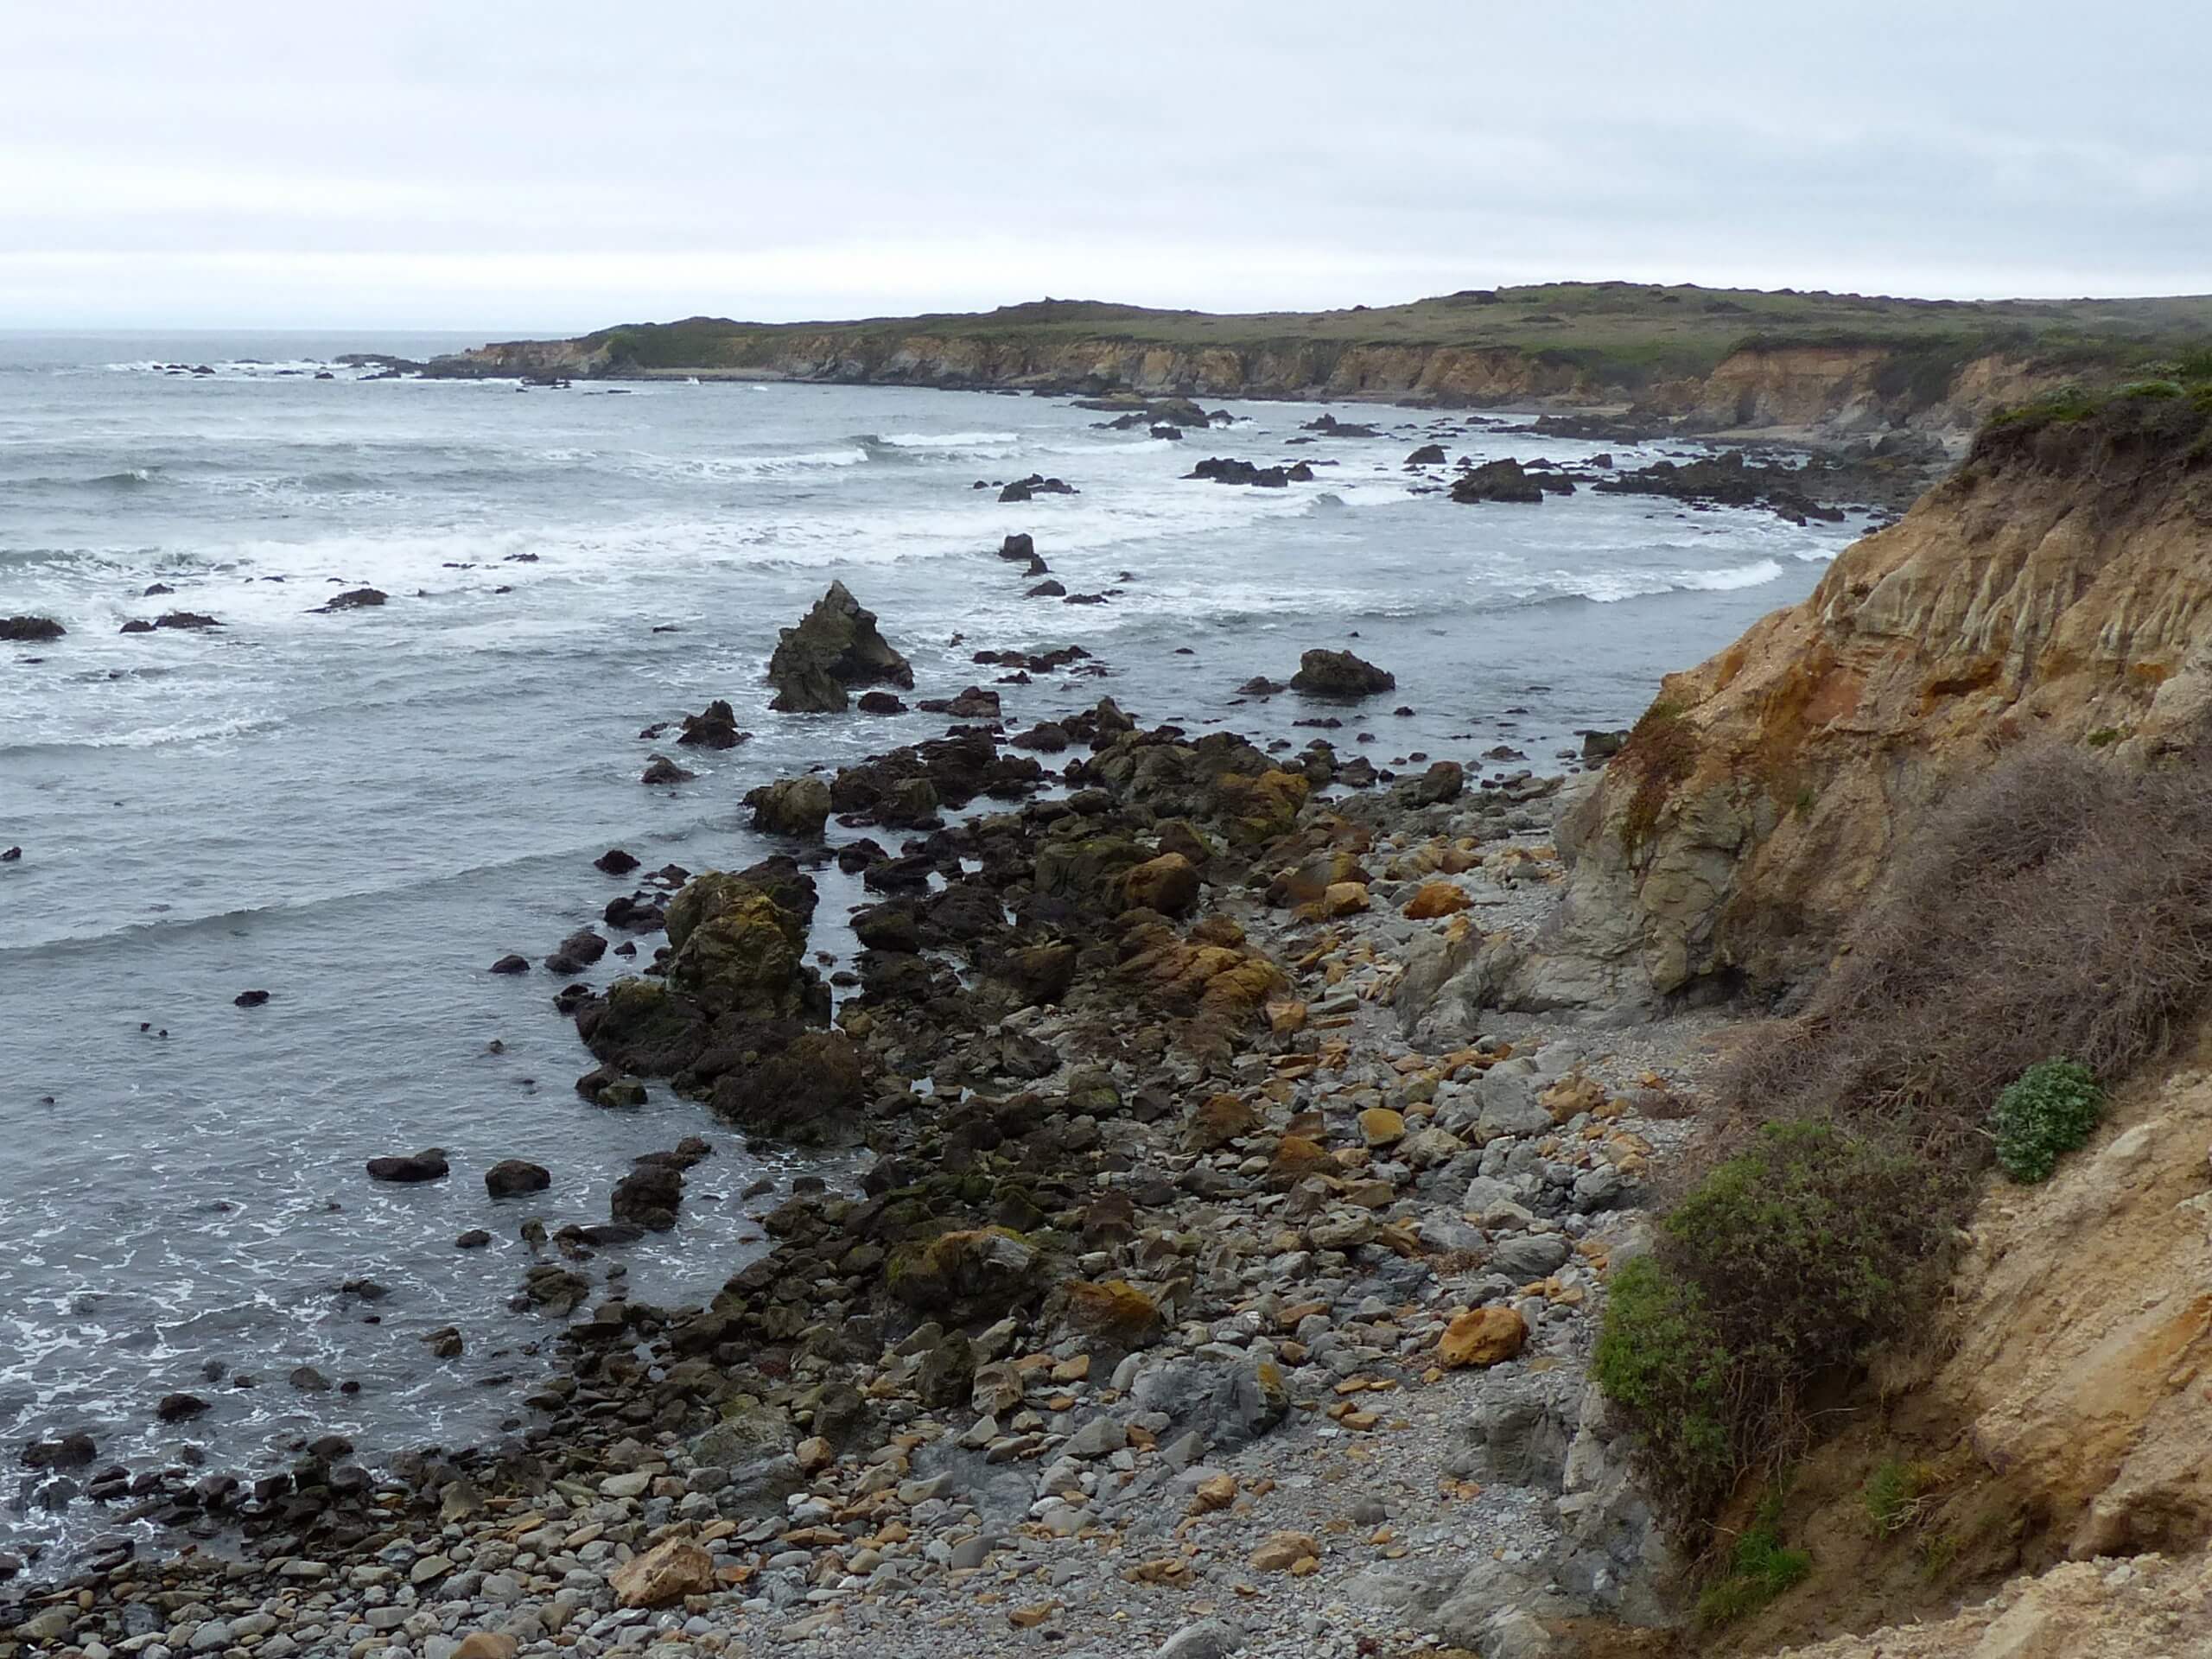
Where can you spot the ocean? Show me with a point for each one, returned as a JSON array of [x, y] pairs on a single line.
[[358, 811]]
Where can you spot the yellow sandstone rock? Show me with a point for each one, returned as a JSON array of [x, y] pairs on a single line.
[[666, 1572], [1482, 1336]]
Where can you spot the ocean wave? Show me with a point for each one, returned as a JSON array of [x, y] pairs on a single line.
[[1612, 587], [941, 440]]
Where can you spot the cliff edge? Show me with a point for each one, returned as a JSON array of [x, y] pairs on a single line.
[[2059, 584]]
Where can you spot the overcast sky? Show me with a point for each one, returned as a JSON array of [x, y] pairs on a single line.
[[552, 167]]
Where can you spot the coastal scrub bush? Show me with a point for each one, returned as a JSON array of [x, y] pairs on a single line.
[[1760, 1568], [2047, 1112], [1776, 1273], [1896, 1494], [2061, 903]]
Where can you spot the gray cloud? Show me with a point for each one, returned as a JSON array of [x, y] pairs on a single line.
[[558, 165]]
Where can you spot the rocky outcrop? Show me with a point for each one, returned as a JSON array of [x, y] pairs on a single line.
[[834, 647], [1326, 673], [2058, 586]]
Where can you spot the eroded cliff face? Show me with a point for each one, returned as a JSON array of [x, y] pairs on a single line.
[[1837, 389], [2059, 585]]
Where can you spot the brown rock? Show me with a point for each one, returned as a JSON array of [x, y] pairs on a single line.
[[1218, 1121], [666, 1572], [1436, 898], [1295, 1159], [1379, 1127], [1482, 1336], [487, 1644], [1283, 1551], [1167, 884], [1114, 1312]]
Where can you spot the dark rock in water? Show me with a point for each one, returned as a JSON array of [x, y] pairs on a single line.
[[512, 1176], [1020, 547], [30, 629], [890, 926], [606, 1085], [1046, 738], [512, 964], [156, 589], [615, 862], [1602, 746], [880, 702], [137, 625], [570, 997], [659, 769], [713, 727], [308, 1380], [1497, 480], [11, 856], [583, 946], [1429, 455], [812, 1093], [835, 646], [177, 1407], [1260, 686], [1732, 480], [790, 806], [1046, 590], [475, 1239], [1339, 674], [1172, 434], [74, 1451], [629, 912], [1026, 489], [974, 703], [426, 1165], [250, 999], [1445, 780], [1222, 470], [355, 599], [185, 619], [648, 1196], [1336, 429]]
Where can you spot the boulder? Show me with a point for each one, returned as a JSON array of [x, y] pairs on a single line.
[[29, 629], [835, 646], [714, 727], [1339, 674], [1482, 1336], [790, 806], [811, 1093], [1436, 898], [1115, 1314], [511, 1177], [737, 950], [1167, 884], [355, 599], [968, 1275], [659, 769], [1497, 480], [428, 1165], [668, 1572], [648, 1195], [1429, 455]]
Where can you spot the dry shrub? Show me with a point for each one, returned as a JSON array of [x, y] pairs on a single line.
[[2059, 906]]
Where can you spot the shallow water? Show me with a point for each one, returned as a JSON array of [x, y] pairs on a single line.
[[359, 811]]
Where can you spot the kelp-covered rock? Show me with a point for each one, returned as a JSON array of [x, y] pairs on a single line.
[[835, 646]]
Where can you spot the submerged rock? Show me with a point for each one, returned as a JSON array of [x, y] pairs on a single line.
[[426, 1165]]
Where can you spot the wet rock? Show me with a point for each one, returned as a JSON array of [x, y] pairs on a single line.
[[1497, 480], [1020, 547], [659, 769], [811, 1093], [177, 1408], [973, 703], [1339, 674], [799, 807], [426, 1165], [969, 1276], [615, 862], [737, 950], [188, 620], [512, 1176], [74, 1451], [835, 646], [355, 599], [29, 629], [1429, 455], [512, 964], [1167, 884], [648, 1196], [880, 702], [714, 727]]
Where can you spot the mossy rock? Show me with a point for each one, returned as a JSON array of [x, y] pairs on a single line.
[[982, 1273], [1256, 810], [738, 951], [1113, 1312]]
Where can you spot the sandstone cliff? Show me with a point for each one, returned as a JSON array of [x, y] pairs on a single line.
[[2059, 584]]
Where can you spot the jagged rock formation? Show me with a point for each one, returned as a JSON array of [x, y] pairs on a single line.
[[835, 646], [2058, 586]]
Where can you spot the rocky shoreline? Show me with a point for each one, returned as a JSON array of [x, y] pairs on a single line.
[[1184, 1301]]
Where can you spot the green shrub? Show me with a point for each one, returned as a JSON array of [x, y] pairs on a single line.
[[1893, 1494], [1760, 1568], [1778, 1270], [1660, 1357], [2048, 1112]]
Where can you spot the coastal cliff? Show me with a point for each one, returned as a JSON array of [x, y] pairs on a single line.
[[1684, 357], [2059, 586]]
